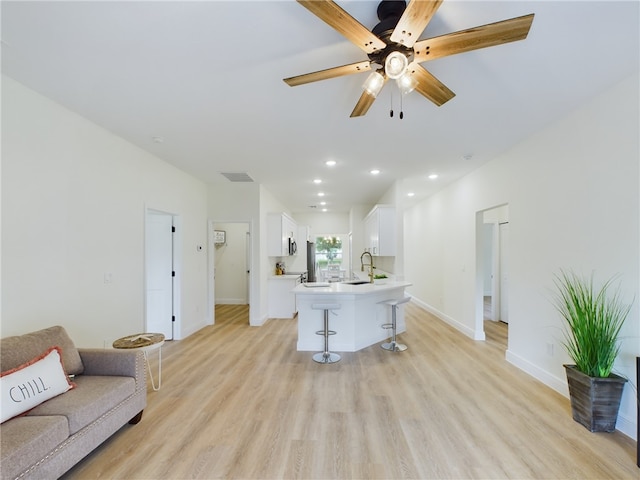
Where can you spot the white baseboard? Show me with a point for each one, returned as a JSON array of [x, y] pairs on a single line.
[[624, 425], [261, 321], [447, 319], [557, 384], [231, 301], [192, 330], [627, 426]]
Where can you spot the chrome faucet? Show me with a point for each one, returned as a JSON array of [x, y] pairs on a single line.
[[370, 264]]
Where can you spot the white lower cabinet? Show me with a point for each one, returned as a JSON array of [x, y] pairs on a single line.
[[282, 301]]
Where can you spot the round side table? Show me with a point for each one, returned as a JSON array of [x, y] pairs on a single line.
[[146, 342]]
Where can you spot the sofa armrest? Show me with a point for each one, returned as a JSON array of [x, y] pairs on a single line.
[[124, 363]]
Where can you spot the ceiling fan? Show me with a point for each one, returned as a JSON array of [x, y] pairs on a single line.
[[395, 51]]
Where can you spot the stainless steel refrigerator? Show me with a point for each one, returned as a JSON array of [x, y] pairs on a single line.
[[311, 262]]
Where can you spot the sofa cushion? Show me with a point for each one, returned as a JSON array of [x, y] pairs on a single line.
[[14, 351], [32, 383], [26, 440], [93, 397]]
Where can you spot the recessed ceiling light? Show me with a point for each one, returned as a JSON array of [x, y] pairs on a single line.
[[321, 194], [375, 171], [330, 163], [317, 181], [323, 203], [410, 194], [324, 209], [433, 176]]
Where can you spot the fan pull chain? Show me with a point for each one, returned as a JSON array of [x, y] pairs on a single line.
[[401, 112], [391, 97]]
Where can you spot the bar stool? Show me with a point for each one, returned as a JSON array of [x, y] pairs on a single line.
[[326, 356], [393, 345]]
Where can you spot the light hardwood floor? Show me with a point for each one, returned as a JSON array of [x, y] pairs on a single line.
[[241, 402]]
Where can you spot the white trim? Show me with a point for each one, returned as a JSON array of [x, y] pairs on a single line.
[[176, 222], [231, 301], [624, 425], [449, 320], [253, 268]]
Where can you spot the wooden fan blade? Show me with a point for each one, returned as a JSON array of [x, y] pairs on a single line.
[[365, 101], [329, 73], [333, 15], [414, 20], [430, 86], [473, 38]]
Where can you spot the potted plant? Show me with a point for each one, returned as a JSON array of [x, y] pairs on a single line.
[[380, 278], [593, 319]]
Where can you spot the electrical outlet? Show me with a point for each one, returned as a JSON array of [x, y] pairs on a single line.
[[550, 349]]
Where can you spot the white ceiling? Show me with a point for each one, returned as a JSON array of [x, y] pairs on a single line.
[[206, 76]]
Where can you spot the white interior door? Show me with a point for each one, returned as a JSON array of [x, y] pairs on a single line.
[[159, 273], [247, 260], [504, 271]]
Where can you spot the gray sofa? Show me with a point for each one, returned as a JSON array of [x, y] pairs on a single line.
[[110, 392]]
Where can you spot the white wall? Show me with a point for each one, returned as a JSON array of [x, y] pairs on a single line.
[[268, 204], [573, 195], [394, 264], [322, 223], [326, 222], [356, 227], [248, 202], [231, 264], [239, 202], [490, 247], [73, 209]]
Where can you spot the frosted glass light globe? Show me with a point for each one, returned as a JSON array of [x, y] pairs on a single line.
[[395, 64]]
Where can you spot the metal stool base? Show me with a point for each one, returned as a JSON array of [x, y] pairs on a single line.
[[394, 346], [326, 357]]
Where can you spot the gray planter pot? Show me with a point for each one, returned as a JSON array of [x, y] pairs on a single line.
[[594, 401]]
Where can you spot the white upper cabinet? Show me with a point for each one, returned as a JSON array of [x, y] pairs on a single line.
[[380, 231], [280, 229], [304, 235]]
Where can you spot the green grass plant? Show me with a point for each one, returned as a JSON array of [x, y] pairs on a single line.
[[593, 320]]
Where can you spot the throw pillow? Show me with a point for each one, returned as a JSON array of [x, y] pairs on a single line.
[[32, 383]]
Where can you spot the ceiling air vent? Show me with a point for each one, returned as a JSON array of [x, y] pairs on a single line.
[[237, 176]]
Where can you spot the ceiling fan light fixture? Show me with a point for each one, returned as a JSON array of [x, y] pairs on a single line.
[[395, 65], [373, 84], [406, 83]]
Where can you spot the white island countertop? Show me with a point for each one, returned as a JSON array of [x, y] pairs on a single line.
[[358, 321], [346, 288]]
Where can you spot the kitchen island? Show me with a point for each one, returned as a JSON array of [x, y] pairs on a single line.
[[358, 322]]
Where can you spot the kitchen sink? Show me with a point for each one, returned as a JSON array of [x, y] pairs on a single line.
[[357, 282]]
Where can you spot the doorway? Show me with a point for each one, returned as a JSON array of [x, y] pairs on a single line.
[[492, 247], [161, 273], [230, 244], [503, 271]]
